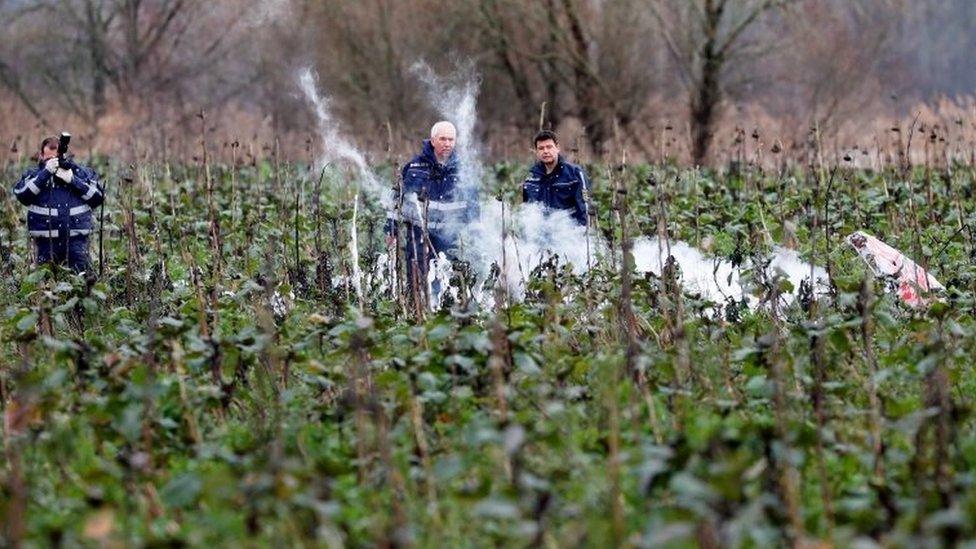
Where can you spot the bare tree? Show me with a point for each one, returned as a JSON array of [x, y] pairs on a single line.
[[832, 69], [120, 51], [706, 38], [619, 68], [498, 19], [11, 75], [583, 59]]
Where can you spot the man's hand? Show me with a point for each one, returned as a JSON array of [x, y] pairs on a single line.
[[51, 165], [390, 241], [64, 174]]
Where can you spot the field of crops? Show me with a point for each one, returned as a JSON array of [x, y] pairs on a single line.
[[222, 381]]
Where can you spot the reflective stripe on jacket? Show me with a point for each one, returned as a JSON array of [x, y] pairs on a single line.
[[565, 188], [56, 208], [432, 196]]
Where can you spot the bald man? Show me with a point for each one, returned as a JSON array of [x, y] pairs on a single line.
[[433, 209]]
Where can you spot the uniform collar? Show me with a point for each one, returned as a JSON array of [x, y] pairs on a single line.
[[427, 154], [540, 168]]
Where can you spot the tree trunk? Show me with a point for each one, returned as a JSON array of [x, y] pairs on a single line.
[[97, 52], [554, 112], [707, 92], [587, 95], [504, 49], [384, 9], [704, 105]]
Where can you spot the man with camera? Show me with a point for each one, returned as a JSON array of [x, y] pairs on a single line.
[[60, 195]]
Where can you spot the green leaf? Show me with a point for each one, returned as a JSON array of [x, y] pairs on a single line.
[[526, 364], [27, 321], [181, 490], [496, 509]]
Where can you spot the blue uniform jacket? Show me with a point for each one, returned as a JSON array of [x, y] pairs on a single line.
[[566, 188], [56, 209], [448, 206]]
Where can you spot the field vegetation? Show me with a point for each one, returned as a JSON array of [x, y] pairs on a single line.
[[222, 382]]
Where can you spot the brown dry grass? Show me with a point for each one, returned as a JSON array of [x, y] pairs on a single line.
[[749, 132]]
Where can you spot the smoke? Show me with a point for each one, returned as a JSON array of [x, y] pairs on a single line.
[[514, 241], [456, 100], [335, 147], [518, 240], [788, 263], [718, 280], [265, 12], [715, 279]]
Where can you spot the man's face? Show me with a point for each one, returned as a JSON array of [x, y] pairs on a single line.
[[547, 151], [443, 144], [49, 151]]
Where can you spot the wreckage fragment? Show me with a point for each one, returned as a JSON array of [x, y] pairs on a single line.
[[912, 282]]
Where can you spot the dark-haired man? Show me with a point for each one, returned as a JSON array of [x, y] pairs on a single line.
[[59, 194], [554, 182]]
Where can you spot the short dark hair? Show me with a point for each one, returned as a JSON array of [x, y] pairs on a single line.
[[48, 141], [544, 135]]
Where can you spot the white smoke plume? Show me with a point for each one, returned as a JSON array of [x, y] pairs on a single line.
[[531, 235], [791, 265], [335, 147], [264, 12], [456, 100], [717, 280], [515, 239], [518, 240]]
